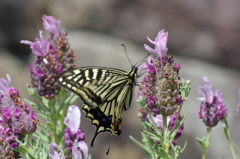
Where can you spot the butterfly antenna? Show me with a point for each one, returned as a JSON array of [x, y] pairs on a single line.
[[109, 146], [141, 61], [126, 53]]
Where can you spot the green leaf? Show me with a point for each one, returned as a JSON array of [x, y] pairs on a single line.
[[184, 147], [61, 134], [226, 129], [202, 142], [89, 156], [235, 146], [42, 135], [163, 154], [185, 89], [42, 115], [51, 125], [144, 148], [152, 134], [45, 102], [32, 104], [142, 102]]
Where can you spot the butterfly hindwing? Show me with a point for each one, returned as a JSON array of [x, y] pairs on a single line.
[[108, 116], [106, 92]]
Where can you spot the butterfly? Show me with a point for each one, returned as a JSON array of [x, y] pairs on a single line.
[[105, 92]]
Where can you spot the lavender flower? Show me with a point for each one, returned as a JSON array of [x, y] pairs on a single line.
[[16, 119], [74, 136], [161, 87], [213, 109], [53, 56]]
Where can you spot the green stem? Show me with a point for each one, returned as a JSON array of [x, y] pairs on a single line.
[[53, 120], [227, 134], [165, 129], [207, 142], [232, 150]]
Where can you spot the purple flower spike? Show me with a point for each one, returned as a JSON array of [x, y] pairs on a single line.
[[74, 136], [213, 109], [16, 119], [53, 56], [161, 87]]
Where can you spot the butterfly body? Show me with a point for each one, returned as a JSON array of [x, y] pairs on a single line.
[[106, 92]]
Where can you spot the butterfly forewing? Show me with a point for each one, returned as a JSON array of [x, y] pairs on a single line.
[[106, 92]]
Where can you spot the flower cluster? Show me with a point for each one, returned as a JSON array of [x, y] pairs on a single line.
[[161, 87], [16, 119], [213, 109], [53, 56], [74, 136]]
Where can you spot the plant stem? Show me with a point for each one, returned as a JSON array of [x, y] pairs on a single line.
[[227, 134], [207, 142], [165, 129]]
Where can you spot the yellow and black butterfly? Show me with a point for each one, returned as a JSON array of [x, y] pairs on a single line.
[[106, 92]]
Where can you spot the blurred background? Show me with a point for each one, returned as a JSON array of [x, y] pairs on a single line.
[[204, 37]]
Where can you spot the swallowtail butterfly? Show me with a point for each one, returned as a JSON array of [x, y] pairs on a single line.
[[106, 92]]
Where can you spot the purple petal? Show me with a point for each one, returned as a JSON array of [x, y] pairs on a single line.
[[40, 73], [161, 43], [80, 149], [177, 65], [40, 47], [73, 118], [54, 153], [51, 24], [150, 40], [206, 91], [149, 49], [5, 84], [26, 42], [13, 90], [17, 111], [218, 95]]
